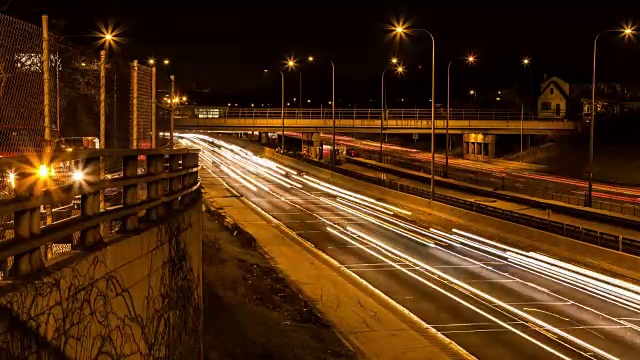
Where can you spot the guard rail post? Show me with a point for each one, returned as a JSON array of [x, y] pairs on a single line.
[[155, 166], [176, 182], [23, 224], [189, 179], [130, 192], [94, 165], [90, 202]]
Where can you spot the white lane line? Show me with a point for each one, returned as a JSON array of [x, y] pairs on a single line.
[[492, 280], [372, 264], [539, 303]]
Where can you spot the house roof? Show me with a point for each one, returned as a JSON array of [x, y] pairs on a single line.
[[557, 86]]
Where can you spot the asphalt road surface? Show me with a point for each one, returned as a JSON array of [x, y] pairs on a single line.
[[494, 301]]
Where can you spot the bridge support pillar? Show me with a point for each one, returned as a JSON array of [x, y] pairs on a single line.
[[479, 147], [310, 142]]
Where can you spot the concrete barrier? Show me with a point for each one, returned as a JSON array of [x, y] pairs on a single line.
[[139, 296], [523, 237]]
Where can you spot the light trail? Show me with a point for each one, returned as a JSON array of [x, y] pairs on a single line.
[[508, 255], [521, 314], [452, 296]]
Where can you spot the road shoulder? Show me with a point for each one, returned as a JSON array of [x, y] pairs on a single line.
[[374, 326]]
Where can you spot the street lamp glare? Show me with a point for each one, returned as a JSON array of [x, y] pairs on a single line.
[[394, 60], [166, 61], [471, 59], [399, 29], [151, 61], [471, 92], [400, 69], [310, 58], [108, 37]]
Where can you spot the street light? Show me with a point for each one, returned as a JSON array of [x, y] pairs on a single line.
[[399, 70], [166, 62], [151, 61], [401, 31], [470, 60], [626, 32], [526, 62], [333, 107], [290, 64]]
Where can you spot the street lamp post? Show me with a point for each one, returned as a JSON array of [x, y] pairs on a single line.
[[282, 108], [470, 59], [401, 30], [626, 32], [526, 62], [399, 70], [333, 108]]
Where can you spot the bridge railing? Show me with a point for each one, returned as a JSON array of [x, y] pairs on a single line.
[[169, 180], [359, 114]]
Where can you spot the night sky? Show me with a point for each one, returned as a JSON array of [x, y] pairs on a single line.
[[225, 46]]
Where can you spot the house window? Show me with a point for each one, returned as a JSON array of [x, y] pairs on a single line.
[[545, 106], [551, 91]]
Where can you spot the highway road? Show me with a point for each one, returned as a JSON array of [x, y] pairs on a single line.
[[496, 302], [491, 171]]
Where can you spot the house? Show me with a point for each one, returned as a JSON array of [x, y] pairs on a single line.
[[554, 99], [562, 100]]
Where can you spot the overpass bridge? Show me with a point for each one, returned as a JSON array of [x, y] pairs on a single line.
[[462, 121]]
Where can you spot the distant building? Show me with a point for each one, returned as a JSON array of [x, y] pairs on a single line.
[[554, 98], [562, 100]]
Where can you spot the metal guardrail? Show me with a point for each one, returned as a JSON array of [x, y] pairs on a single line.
[[513, 185], [170, 179], [602, 239], [203, 112]]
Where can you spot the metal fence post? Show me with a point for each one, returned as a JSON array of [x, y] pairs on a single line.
[[134, 124], [103, 115], [130, 192], [172, 122], [154, 131]]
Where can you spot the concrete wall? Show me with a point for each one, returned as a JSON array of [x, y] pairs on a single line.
[[138, 297], [523, 237]]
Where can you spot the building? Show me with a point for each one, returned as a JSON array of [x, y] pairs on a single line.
[[554, 99], [561, 100]]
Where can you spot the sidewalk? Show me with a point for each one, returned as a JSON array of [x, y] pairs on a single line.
[[506, 205], [373, 325]]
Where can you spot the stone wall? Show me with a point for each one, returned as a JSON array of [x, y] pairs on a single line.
[[137, 297]]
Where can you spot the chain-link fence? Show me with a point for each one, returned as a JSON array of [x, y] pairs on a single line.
[[21, 88], [73, 81]]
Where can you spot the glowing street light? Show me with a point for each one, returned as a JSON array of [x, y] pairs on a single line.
[[470, 59], [43, 172], [310, 58], [78, 175], [400, 30], [627, 31], [151, 61], [166, 62], [399, 70]]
